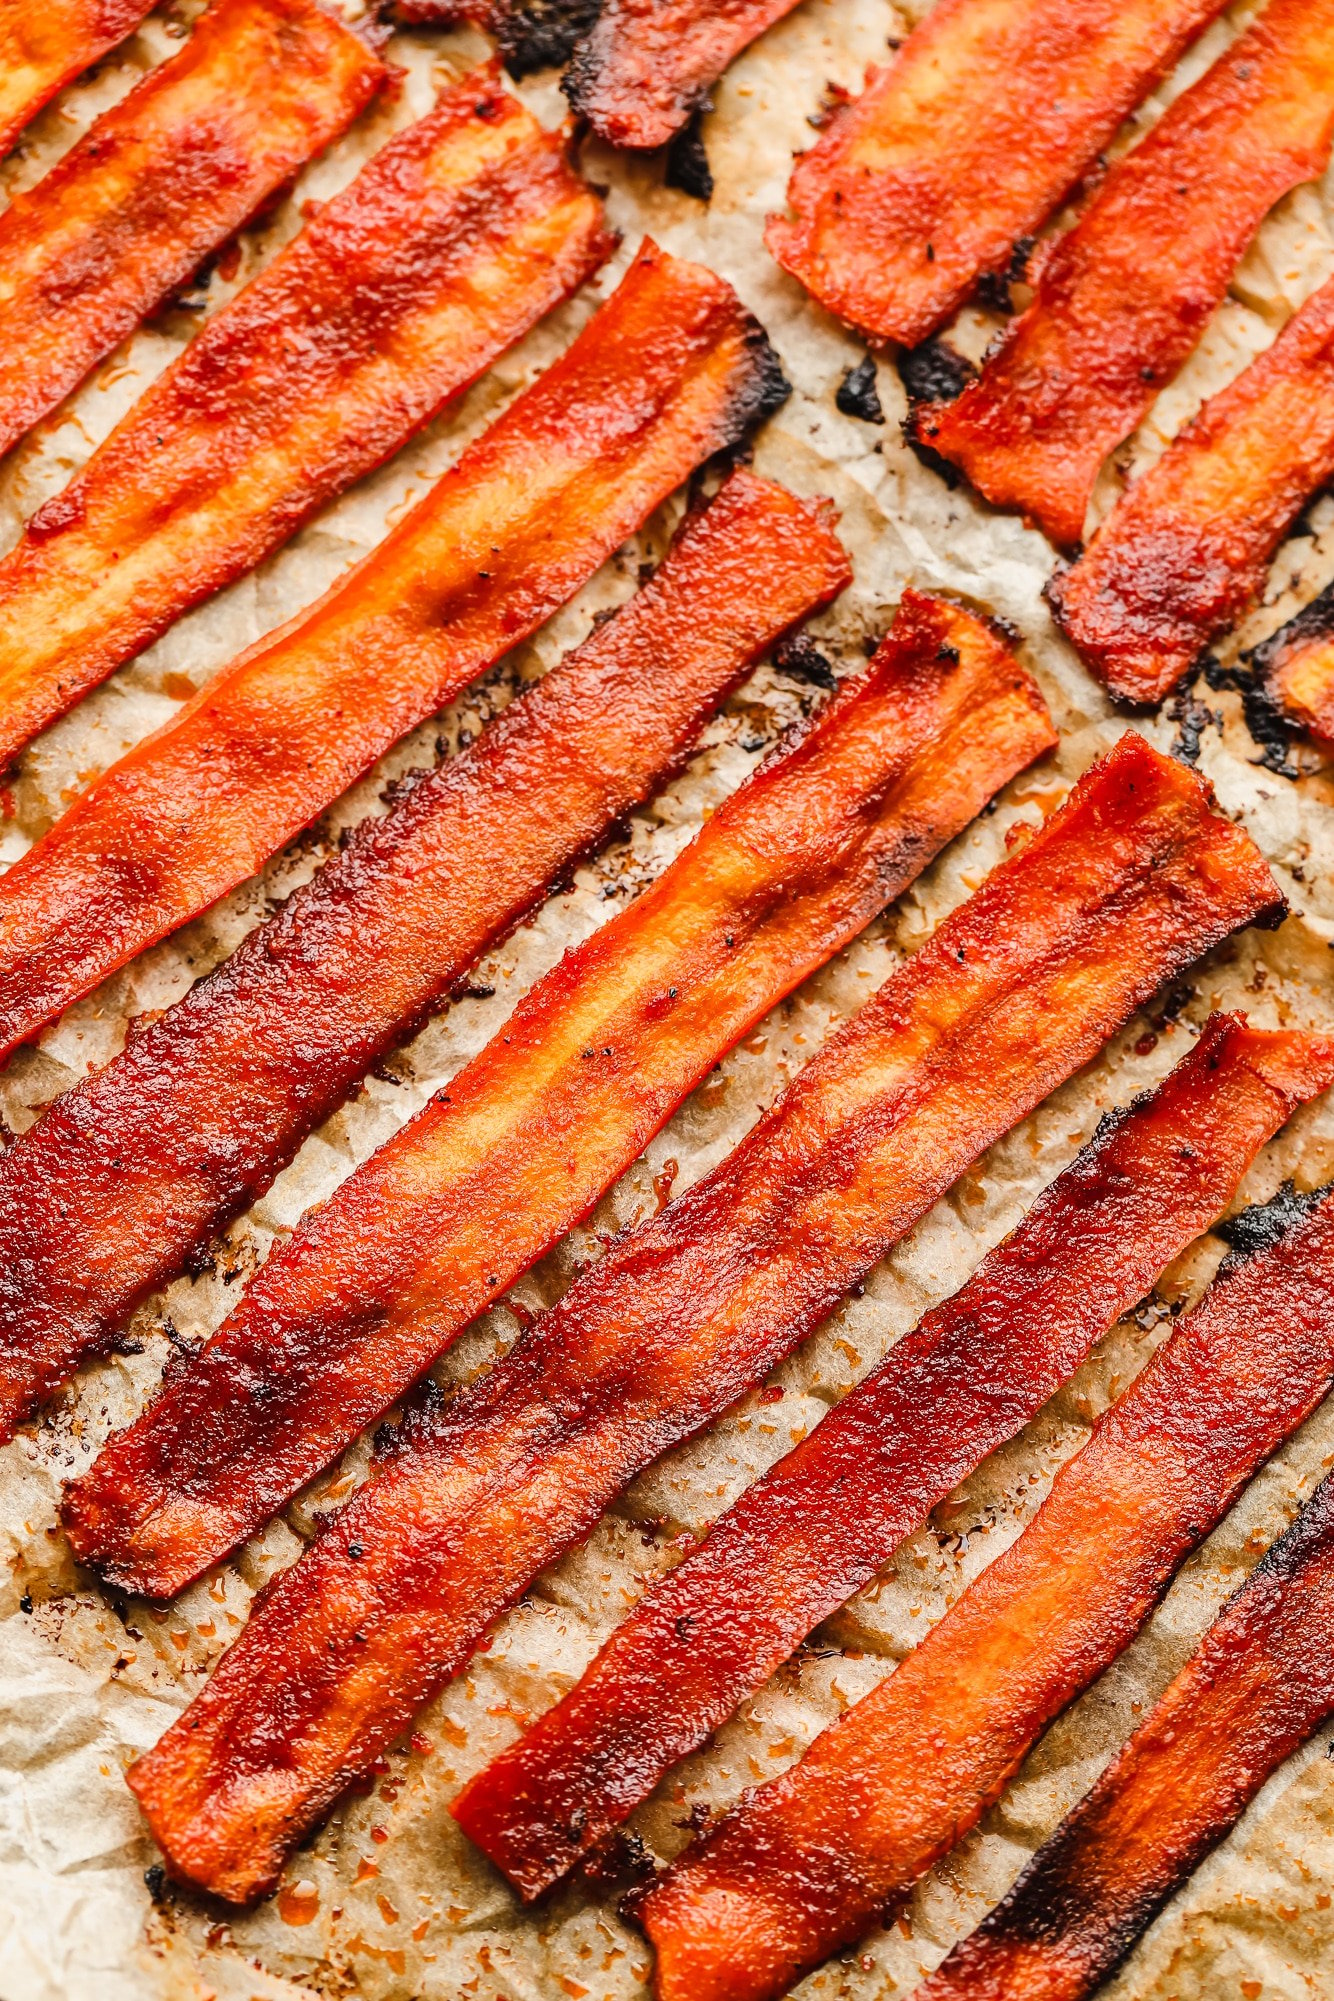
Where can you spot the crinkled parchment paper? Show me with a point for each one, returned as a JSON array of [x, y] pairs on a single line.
[[390, 1901]]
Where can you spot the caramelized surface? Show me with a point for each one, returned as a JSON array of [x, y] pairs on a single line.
[[646, 65], [43, 47], [1296, 666]]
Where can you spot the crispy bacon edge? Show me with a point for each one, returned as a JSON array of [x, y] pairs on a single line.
[[44, 48], [531, 34], [686, 1313], [818, 1526], [646, 66], [1294, 668]]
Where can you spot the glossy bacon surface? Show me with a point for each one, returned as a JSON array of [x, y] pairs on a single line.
[[1131, 878], [45, 47], [1185, 553], [1260, 1684], [981, 124], [530, 1134], [1123, 297], [159, 182], [817, 1527], [646, 65], [142, 1163], [460, 234], [670, 371], [806, 1864], [1296, 666]]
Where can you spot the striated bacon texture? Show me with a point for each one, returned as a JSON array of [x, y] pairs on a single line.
[[1131, 878], [670, 371], [1123, 297], [1260, 1683], [1295, 667], [159, 182], [43, 47], [964, 145], [1186, 551], [647, 65], [459, 235], [822, 1522], [532, 1132], [139, 1165], [806, 1864]]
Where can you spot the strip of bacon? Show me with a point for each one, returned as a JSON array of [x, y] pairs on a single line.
[[42, 48], [1261, 1682], [488, 1177], [670, 371], [647, 65], [455, 239], [806, 1864], [964, 145], [159, 182], [1185, 553], [801, 1540], [530, 34], [137, 1167], [1116, 311], [1296, 667], [1131, 878]]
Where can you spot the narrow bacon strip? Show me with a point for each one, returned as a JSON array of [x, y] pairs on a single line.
[[460, 234], [1296, 667], [1261, 1682], [42, 48], [647, 65], [822, 1522], [1185, 553], [1123, 886], [672, 370], [141, 1164], [1123, 297], [965, 144], [806, 1864], [159, 182], [485, 1180]]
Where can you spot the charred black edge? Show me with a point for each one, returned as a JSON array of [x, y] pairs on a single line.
[[934, 372], [1271, 724], [581, 79], [762, 389], [532, 34], [687, 166], [1266, 1224], [857, 395]]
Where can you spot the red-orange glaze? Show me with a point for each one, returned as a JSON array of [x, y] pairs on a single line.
[[1124, 296], [138, 1166], [822, 1522], [159, 182], [460, 233], [1296, 667], [646, 65], [1128, 881], [806, 1864], [528, 1136], [965, 144], [670, 371], [44, 47]]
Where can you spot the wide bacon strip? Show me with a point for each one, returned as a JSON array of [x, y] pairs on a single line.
[[646, 65], [1131, 878], [141, 1164], [670, 371], [44, 47], [981, 124], [806, 1864], [531, 1133], [1296, 667], [159, 182], [822, 1522], [1185, 553], [1123, 297], [1261, 1682], [460, 234]]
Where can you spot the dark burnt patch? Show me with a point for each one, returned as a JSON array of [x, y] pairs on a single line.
[[1270, 728], [540, 34], [799, 656], [1265, 1224], [857, 395], [932, 373], [687, 166]]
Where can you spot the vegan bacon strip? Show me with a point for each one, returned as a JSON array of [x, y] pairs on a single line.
[[531, 1133], [460, 234], [159, 182], [806, 1864], [1123, 297], [965, 144], [1123, 886], [647, 65], [1296, 667], [43, 47], [670, 371], [820, 1524], [1185, 553], [140, 1164]]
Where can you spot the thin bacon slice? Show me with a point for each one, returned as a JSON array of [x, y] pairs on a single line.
[[141, 1164], [670, 371], [459, 235], [647, 65], [964, 145], [484, 1181], [1123, 297], [159, 182], [1186, 551], [1131, 878], [42, 48], [1261, 1682], [806, 1864], [1296, 667], [822, 1522]]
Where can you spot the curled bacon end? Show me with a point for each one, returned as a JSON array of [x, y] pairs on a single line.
[[43, 48], [646, 65], [1295, 667]]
